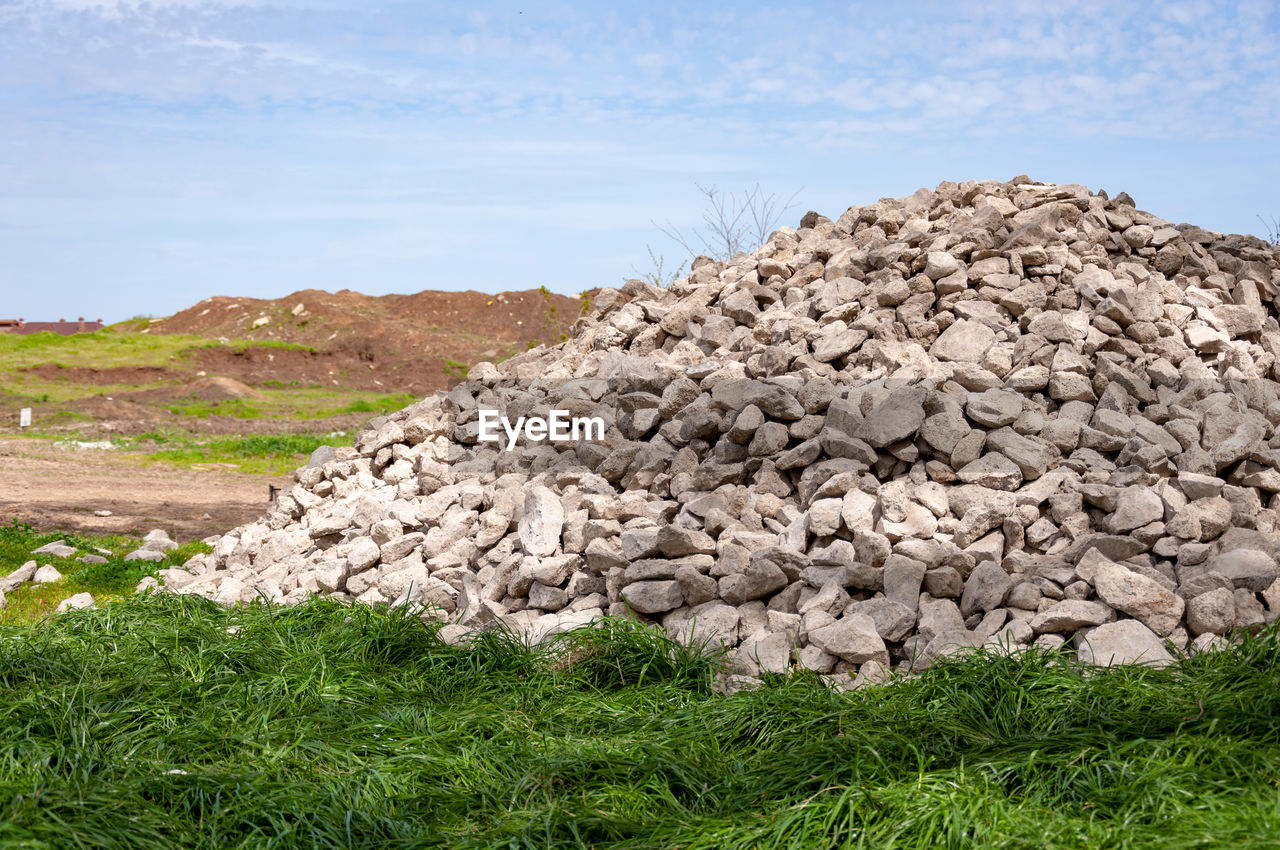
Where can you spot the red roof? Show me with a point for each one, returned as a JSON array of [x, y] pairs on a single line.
[[60, 327]]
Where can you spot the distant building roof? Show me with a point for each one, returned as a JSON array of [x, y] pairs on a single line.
[[61, 327]]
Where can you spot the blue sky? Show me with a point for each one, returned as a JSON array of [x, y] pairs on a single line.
[[156, 153]]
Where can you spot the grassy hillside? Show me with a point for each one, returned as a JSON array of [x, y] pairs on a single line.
[[169, 722]]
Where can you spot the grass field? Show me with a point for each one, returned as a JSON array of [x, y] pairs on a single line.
[[103, 349], [275, 454], [297, 403], [170, 722]]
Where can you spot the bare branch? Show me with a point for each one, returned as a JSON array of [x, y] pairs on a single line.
[[731, 222], [1272, 232]]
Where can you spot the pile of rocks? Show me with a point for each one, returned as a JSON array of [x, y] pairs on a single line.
[[991, 413]]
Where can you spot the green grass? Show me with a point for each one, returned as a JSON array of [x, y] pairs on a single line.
[[105, 349], [269, 453], [113, 579], [100, 349], [236, 408], [169, 722], [360, 402]]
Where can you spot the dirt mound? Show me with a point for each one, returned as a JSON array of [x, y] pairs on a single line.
[[998, 414], [213, 389], [95, 377], [362, 365], [414, 343]]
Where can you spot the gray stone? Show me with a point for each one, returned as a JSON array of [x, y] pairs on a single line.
[[1142, 598], [363, 554], [893, 620], [761, 578], [47, 574], [1135, 507], [895, 419], [1213, 612], [19, 576], [76, 602], [675, 542], [994, 408], [56, 549], [852, 638], [994, 471], [985, 589], [965, 341], [902, 580], [1250, 569], [542, 522], [1071, 615], [1122, 642]]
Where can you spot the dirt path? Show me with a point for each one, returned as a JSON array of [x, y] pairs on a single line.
[[58, 489]]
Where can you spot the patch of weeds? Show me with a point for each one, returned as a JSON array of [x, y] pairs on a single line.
[[454, 369], [550, 318], [378, 404], [275, 454], [236, 408]]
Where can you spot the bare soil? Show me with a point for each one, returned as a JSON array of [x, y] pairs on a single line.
[[58, 489], [389, 343], [102, 377]]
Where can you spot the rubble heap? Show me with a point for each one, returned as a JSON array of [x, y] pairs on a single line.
[[992, 413]]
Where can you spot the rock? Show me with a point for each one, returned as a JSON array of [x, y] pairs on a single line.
[[1213, 612], [1071, 615], [902, 580], [1135, 507], [47, 575], [992, 470], [940, 264], [985, 589], [1122, 642], [676, 542], [21, 575], [994, 408], [76, 602], [1140, 597], [56, 549], [542, 522], [760, 579], [893, 620], [364, 554], [1033, 457], [852, 638], [1250, 569], [766, 652], [896, 418], [712, 621], [964, 341]]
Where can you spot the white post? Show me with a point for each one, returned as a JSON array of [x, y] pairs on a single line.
[[24, 418]]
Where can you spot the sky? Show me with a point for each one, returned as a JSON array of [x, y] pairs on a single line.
[[153, 154]]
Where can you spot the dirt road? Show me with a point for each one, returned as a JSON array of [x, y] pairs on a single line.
[[59, 489]]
